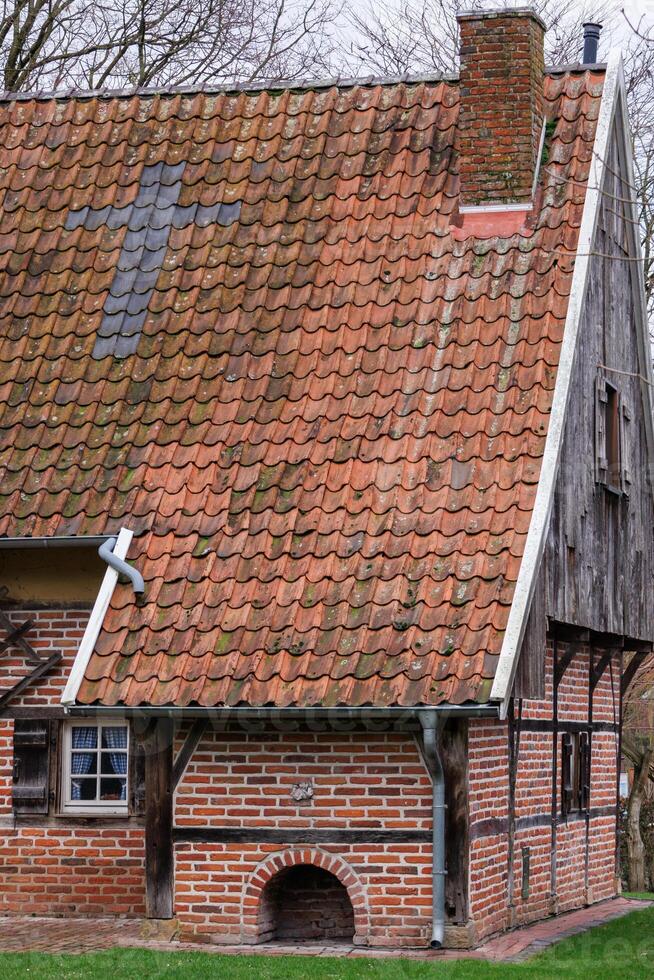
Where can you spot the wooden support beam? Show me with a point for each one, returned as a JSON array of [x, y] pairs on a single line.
[[43, 667], [597, 669], [555, 780], [15, 635], [630, 670], [185, 754], [159, 858], [454, 754], [300, 835], [563, 663], [19, 640]]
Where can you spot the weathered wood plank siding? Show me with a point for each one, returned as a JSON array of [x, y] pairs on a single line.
[[598, 556]]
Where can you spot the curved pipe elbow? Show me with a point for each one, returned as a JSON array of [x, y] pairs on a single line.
[[430, 745], [107, 554]]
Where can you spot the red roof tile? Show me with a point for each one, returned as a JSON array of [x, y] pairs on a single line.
[[322, 413]]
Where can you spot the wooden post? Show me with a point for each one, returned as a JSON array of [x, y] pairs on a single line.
[[159, 859], [595, 671], [556, 674], [454, 753]]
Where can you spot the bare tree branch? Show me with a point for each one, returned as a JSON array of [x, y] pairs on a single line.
[[423, 35], [47, 44]]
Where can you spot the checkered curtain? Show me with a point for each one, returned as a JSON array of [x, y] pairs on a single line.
[[116, 738], [81, 762]]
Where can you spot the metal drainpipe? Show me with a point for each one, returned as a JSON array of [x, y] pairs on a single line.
[[431, 737], [107, 554]]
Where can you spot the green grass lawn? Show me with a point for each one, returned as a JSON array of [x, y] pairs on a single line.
[[620, 949]]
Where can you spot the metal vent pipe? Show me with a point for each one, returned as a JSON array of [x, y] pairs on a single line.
[[591, 42]]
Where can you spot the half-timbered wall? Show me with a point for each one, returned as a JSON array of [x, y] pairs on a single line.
[[49, 864], [569, 860], [357, 804]]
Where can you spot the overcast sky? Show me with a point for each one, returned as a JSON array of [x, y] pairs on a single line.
[[616, 33]]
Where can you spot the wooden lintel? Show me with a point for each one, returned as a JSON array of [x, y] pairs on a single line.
[[185, 754], [566, 633], [638, 646], [299, 835], [26, 712], [597, 669], [159, 860], [548, 725], [607, 641]]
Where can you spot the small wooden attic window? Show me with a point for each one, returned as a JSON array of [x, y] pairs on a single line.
[[611, 418]]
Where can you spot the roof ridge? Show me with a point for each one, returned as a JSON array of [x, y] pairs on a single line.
[[298, 85], [210, 88]]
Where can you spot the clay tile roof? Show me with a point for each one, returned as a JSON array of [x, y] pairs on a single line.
[[242, 325]]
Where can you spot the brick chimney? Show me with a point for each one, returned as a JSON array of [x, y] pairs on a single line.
[[501, 121]]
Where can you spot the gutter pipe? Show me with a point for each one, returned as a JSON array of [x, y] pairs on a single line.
[[431, 738], [62, 541], [119, 565], [247, 712]]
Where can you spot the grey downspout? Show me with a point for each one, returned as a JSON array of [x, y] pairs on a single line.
[[431, 737], [107, 554]]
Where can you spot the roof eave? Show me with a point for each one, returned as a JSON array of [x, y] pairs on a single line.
[[56, 541], [271, 712]]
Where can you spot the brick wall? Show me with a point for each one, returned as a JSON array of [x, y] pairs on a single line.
[[48, 865], [51, 870], [358, 781], [488, 782], [54, 630]]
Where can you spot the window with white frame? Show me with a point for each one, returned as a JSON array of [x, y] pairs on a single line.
[[95, 767]]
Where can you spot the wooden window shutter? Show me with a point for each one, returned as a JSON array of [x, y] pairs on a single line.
[[625, 419], [31, 778], [601, 460], [584, 771], [566, 774], [136, 777]]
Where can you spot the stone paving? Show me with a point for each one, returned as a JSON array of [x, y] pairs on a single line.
[[58, 935]]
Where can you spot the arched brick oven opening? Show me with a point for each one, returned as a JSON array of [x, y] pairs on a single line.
[[274, 897], [305, 903]]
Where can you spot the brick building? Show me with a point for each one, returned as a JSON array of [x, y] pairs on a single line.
[[326, 509]]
